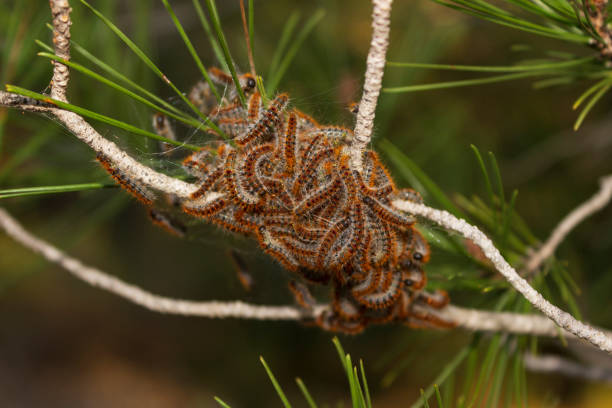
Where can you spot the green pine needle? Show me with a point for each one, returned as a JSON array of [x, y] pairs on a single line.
[[470, 370], [440, 240], [405, 164], [216, 21], [362, 400], [504, 18], [484, 68], [354, 386], [487, 366], [590, 92], [517, 382], [211, 37], [135, 49], [569, 280], [484, 214], [351, 379], [307, 396], [501, 198], [493, 398], [591, 103], [438, 396], [45, 46], [67, 188], [77, 67], [191, 49], [450, 367], [143, 57], [122, 78], [340, 351], [118, 76], [498, 178], [310, 24], [555, 81], [424, 399], [507, 217], [566, 293], [221, 402], [366, 389], [97, 116], [262, 91], [485, 174], [275, 383], [465, 82], [286, 34]]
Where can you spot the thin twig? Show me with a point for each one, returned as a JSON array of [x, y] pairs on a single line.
[[60, 10], [381, 21], [501, 322], [584, 210], [24, 103], [136, 295], [86, 133], [559, 365], [149, 177], [468, 319], [563, 319]]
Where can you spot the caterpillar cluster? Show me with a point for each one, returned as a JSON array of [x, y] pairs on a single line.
[[285, 180]]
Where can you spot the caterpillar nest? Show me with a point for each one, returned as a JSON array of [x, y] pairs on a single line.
[[285, 181]]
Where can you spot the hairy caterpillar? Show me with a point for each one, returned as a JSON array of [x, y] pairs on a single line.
[[286, 182]]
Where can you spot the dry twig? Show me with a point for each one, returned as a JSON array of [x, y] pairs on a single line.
[[559, 365], [468, 319], [60, 10], [563, 319], [584, 210], [86, 133], [381, 20], [136, 295]]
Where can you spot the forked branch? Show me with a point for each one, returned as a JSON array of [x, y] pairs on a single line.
[[562, 318], [558, 365], [468, 319], [86, 133]]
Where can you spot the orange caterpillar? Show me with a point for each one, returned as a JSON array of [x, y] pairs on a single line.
[[286, 182]]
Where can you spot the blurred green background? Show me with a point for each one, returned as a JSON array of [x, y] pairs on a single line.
[[64, 344]]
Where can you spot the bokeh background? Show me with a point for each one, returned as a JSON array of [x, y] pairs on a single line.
[[65, 344]]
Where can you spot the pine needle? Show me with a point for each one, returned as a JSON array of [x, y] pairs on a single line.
[[97, 116]]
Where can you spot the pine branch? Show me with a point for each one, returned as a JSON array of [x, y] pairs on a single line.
[[558, 365], [381, 20], [468, 319], [562, 318], [86, 133], [60, 10]]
